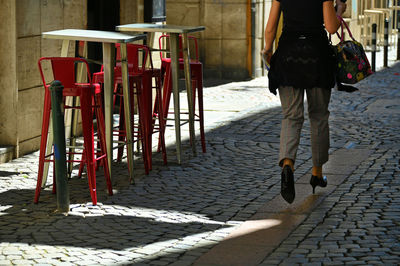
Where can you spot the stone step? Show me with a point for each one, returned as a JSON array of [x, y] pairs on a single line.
[[6, 153]]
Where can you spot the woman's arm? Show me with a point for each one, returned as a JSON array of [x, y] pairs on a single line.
[[270, 29], [330, 15]]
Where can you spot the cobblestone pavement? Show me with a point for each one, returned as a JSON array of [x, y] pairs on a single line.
[[178, 213]]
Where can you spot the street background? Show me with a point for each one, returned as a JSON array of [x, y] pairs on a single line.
[[223, 207]]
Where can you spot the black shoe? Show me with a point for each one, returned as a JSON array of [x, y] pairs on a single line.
[[287, 184], [316, 181]]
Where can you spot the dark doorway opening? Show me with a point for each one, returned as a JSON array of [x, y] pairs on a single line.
[[101, 15]]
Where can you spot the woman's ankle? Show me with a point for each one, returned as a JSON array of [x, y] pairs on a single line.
[[288, 162], [317, 171]]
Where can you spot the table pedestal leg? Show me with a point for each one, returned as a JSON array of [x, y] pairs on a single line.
[[186, 62], [108, 63], [127, 108], [174, 46]]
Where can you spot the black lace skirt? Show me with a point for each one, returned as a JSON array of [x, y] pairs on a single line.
[[302, 61]]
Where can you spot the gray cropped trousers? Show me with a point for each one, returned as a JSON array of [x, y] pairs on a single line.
[[292, 101]]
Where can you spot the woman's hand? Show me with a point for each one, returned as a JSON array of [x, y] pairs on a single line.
[[340, 7], [331, 20], [266, 55]]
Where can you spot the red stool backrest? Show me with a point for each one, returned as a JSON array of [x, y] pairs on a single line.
[[64, 70], [137, 56]]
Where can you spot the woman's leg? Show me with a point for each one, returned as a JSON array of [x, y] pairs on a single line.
[[292, 101], [318, 102]]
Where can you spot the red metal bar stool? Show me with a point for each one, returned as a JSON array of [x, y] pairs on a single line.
[[141, 82], [196, 68], [64, 69]]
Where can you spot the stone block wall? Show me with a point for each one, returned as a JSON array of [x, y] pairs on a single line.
[[34, 17], [8, 76], [229, 47], [131, 11], [21, 88], [223, 45]]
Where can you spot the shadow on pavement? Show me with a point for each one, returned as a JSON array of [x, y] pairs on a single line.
[[91, 228], [173, 202], [8, 173], [230, 182]]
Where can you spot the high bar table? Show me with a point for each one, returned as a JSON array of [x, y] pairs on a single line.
[[108, 40], [174, 31]]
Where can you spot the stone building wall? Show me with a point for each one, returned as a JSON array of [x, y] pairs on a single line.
[[8, 80], [21, 97], [131, 11], [34, 17], [223, 45]]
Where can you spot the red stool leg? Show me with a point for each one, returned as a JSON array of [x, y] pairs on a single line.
[[102, 138], [82, 164], [142, 128], [54, 179], [161, 77], [43, 143], [166, 99], [167, 91], [121, 128], [160, 118], [88, 138], [146, 95]]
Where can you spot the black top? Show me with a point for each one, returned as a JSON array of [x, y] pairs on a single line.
[[302, 14], [304, 58]]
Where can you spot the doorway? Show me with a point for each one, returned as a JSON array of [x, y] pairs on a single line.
[[101, 15]]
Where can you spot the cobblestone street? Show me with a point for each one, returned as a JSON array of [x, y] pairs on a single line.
[[223, 207]]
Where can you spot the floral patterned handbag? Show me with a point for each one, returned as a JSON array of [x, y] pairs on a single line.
[[352, 64]]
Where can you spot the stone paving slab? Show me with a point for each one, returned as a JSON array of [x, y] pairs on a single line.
[[179, 213], [275, 220]]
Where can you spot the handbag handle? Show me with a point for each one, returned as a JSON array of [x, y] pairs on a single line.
[[343, 23]]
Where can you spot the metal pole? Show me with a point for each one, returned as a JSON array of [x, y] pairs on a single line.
[[253, 38], [385, 43], [56, 89], [373, 50], [398, 39]]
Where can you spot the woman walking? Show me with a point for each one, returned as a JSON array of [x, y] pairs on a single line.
[[302, 63]]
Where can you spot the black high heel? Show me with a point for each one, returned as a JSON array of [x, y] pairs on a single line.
[[287, 184], [316, 181]]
